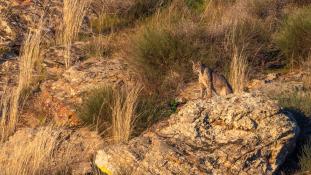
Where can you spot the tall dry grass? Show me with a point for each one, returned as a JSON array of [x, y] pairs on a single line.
[[73, 15], [124, 114], [238, 70], [113, 112], [30, 57], [31, 158]]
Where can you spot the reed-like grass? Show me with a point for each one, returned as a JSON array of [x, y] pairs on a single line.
[[33, 157], [124, 114], [238, 70], [73, 15], [10, 104], [112, 112]]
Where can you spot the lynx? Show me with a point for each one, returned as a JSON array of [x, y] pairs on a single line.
[[211, 82]]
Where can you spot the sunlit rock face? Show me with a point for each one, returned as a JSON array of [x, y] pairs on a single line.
[[237, 134]]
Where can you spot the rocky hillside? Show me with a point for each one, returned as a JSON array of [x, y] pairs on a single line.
[[106, 86]]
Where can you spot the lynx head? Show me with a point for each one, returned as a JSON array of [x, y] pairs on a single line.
[[196, 67]]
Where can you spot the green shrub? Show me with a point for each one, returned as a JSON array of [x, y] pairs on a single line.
[[255, 39], [143, 8], [296, 101], [298, 104], [197, 5], [262, 9], [113, 17], [151, 109], [97, 108], [294, 37], [106, 23], [160, 52], [305, 157], [98, 46], [3, 50]]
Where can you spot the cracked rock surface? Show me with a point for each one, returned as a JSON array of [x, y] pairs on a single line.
[[237, 134]]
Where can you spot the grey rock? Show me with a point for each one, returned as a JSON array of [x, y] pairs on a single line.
[[237, 134]]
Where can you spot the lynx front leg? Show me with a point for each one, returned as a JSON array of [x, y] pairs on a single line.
[[209, 92], [202, 90], [209, 89]]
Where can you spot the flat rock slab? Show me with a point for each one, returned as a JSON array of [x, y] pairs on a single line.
[[236, 134]]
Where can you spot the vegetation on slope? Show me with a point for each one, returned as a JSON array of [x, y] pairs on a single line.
[[163, 37]]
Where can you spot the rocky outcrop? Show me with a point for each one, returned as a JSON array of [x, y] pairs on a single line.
[[17, 19], [275, 84], [60, 98], [236, 134]]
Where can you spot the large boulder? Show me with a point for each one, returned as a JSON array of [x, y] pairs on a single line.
[[237, 134]]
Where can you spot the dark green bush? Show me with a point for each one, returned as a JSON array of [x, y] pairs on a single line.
[[106, 23], [160, 53], [305, 157], [96, 110], [113, 17], [294, 37], [98, 46], [197, 5], [297, 101], [151, 109], [143, 8]]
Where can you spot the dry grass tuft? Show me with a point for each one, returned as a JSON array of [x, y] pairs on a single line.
[[74, 12], [238, 70], [99, 46], [124, 114], [112, 112], [31, 158], [29, 59]]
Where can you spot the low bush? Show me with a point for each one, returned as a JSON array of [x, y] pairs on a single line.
[[106, 23], [296, 101], [294, 36], [240, 24], [164, 47], [151, 109], [121, 113], [99, 46], [96, 110], [305, 158], [3, 50], [298, 104], [118, 14], [164, 58], [198, 5]]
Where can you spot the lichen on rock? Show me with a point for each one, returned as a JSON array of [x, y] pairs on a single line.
[[237, 134]]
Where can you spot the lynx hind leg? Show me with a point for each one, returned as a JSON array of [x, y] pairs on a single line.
[[225, 91], [209, 92]]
